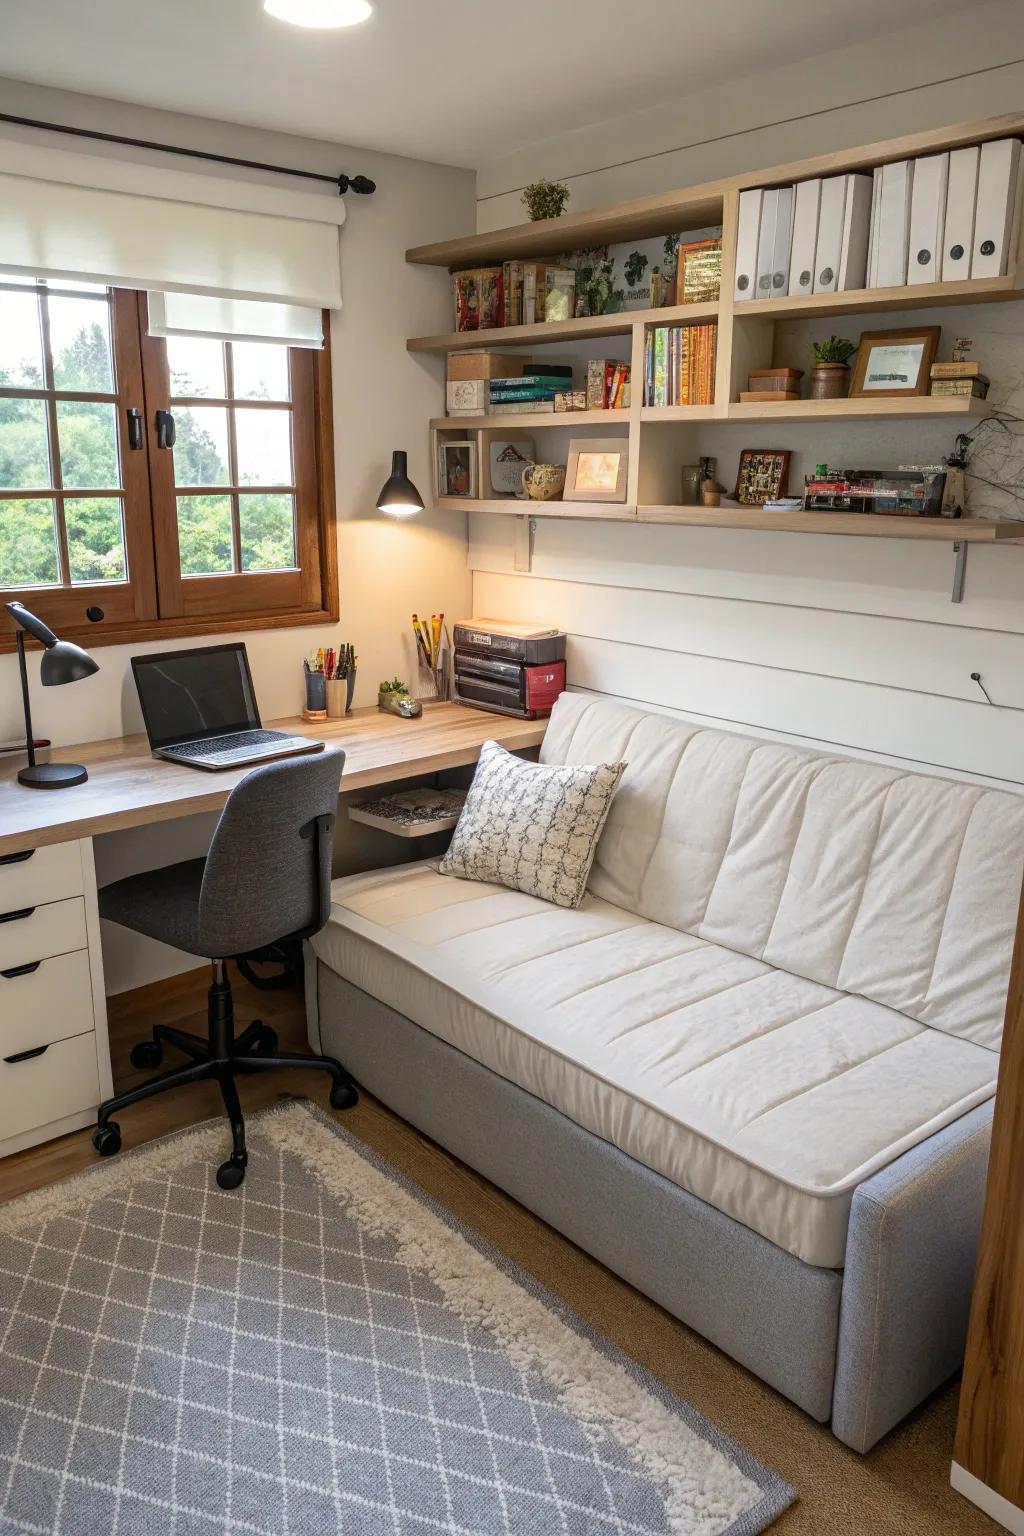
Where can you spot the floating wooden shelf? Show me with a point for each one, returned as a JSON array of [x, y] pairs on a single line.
[[856, 301], [748, 339], [519, 420], [588, 327], [970, 530], [511, 506], [913, 408], [870, 525]]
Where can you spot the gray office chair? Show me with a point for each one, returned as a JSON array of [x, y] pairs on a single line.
[[266, 878]]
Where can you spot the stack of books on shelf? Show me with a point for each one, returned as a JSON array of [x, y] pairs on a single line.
[[964, 378], [532, 390], [516, 293], [679, 365]]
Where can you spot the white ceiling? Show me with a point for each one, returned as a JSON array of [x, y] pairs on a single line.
[[459, 81]]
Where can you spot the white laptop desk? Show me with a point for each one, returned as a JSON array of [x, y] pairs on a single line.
[[54, 1054]]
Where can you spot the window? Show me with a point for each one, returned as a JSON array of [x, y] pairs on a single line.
[[229, 527]]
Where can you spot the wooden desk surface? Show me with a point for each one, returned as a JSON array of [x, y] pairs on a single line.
[[128, 787]]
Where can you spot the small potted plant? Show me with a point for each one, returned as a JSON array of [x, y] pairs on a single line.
[[545, 199], [830, 376]]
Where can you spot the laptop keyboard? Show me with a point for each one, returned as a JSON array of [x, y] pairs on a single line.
[[223, 751]]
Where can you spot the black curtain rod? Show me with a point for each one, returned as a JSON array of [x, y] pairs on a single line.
[[343, 183]]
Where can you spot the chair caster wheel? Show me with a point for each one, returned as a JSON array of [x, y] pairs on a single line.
[[231, 1173], [266, 1041], [147, 1055], [343, 1096], [107, 1139]]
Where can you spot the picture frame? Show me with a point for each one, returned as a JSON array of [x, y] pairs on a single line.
[[895, 363], [763, 475], [597, 469], [508, 458], [457, 468]]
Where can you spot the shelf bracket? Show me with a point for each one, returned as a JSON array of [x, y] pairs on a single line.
[[522, 551], [959, 570]]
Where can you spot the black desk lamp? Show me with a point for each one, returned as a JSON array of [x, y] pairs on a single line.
[[62, 662], [398, 496]]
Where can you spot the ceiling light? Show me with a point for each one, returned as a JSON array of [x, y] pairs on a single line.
[[320, 13]]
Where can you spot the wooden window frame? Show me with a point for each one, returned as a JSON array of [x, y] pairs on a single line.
[[157, 602]]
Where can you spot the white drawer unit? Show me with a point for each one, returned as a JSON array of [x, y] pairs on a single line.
[[48, 1085], [54, 1052], [35, 933], [44, 1001], [40, 874]]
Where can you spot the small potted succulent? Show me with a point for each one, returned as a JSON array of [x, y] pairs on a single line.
[[830, 376], [545, 199]]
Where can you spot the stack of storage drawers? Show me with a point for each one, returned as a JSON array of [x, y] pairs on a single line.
[[50, 1063]]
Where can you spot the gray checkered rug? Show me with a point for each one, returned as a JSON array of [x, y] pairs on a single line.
[[321, 1351]]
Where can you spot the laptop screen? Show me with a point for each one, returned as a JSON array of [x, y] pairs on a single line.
[[189, 695]]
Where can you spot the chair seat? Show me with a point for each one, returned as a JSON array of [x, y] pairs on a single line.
[[161, 903]]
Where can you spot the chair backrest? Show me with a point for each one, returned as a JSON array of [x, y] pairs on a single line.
[[268, 872]]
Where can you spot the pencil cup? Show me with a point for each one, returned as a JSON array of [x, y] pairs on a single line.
[[316, 691], [337, 689]]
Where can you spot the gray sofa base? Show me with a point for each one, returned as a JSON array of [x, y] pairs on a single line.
[[859, 1348]]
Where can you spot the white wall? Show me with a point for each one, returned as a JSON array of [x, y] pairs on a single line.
[[967, 65], [848, 641], [382, 400]]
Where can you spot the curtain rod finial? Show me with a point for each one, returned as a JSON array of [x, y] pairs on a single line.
[[355, 184]]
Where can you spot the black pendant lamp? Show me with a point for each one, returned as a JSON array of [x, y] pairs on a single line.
[[61, 662], [399, 497]]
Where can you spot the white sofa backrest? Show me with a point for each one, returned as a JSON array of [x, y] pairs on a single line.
[[895, 886]]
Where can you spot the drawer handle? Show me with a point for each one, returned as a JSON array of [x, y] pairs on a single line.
[[16, 858], [13, 917], [22, 970], [12, 1061]]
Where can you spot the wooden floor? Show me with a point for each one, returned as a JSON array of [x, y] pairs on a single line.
[[900, 1489]]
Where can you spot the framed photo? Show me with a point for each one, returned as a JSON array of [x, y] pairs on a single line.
[[597, 469], [895, 363], [457, 469], [763, 475]]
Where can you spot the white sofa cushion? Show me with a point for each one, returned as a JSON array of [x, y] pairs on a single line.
[[897, 887], [768, 1095]]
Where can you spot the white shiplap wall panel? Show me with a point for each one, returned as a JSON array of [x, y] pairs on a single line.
[[891, 653], [881, 667], [891, 577]]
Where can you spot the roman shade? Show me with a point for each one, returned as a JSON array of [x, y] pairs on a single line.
[[54, 228], [199, 315]]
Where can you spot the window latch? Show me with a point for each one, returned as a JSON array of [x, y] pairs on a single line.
[[165, 430], [134, 416]]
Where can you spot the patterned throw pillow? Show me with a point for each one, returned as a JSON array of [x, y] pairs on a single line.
[[530, 826]]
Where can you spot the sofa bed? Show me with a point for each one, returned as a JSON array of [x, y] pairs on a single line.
[[751, 1073]]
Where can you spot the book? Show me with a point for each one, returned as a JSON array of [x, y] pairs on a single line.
[[679, 365], [532, 381], [541, 392], [479, 299], [976, 388], [535, 287], [559, 294], [517, 407], [699, 273], [964, 370]]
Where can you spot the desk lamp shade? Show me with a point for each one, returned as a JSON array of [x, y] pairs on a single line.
[[399, 497], [61, 662]]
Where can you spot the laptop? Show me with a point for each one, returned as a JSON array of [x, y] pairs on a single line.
[[199, 707]]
